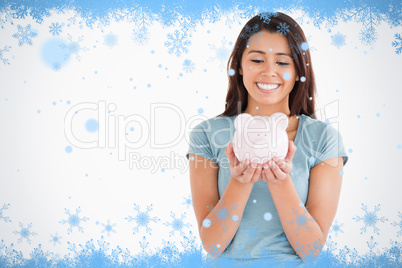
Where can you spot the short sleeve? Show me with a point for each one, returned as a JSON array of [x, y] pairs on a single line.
[[330, 145], [199, 143]]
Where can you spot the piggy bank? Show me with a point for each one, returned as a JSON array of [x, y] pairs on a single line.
[[260, 138]]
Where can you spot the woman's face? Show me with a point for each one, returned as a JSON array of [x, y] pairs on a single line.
[[268, 71]]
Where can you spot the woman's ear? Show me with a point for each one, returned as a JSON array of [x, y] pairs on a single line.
[[297, 78], [240, 71]]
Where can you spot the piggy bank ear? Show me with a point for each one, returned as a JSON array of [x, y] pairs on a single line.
[[280, 120], [241, 120]]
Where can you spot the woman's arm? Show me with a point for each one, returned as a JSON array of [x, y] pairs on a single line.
[[307, 229], [204, 189]]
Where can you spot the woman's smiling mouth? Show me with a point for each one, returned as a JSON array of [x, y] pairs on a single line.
[[267, 88]]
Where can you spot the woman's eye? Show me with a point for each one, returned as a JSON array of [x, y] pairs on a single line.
[[282, 63], [257, 61]]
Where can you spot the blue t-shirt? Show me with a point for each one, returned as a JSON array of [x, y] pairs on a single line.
[[257, 237]]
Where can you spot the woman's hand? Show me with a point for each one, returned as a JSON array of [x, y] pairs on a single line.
[[277, 170], [236, 168]]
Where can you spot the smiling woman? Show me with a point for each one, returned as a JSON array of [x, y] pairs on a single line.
[[267, 53], [258, 212], [268, 73]]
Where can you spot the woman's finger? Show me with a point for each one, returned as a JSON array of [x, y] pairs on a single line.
[[257, 173], [263, 176], [278, 173], [291, 152], [231, 156], [283, 165], [249, 172], [241, 168], [270, 177], [236, 161]]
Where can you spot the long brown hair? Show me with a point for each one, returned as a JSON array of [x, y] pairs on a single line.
[[299, 97]]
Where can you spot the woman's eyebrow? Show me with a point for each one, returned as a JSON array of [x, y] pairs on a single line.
[[262, 52]]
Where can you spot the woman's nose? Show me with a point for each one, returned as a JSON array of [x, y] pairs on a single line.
[[269, 70]]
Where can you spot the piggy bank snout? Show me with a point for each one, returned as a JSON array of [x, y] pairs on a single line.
[[259, 138]]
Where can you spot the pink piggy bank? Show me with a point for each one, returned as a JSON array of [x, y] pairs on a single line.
[[260, 138]]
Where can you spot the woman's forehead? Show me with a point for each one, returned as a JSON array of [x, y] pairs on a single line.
[[268, 42]]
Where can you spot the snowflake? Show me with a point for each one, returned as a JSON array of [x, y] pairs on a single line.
[[74, 220], [397, 43], [393, 224], [249, 31], [188, 201], [73, 47], [212, 14], [141, 36], [371, 245], [343, 253], [246, 10], [265, 250], [312, 253], [252, 231], [142, 219], [368, 36], [266, 16], [24, 35], [123, 257], [5, 49], [55, 28], [396, 250], [108, 227], [215, 251], [301, 220], [89, 249], [140, 16], [189, 241], [283, 28], [72, 20], [55, 239], [330, 245], [354, 256], [56, 66], [309, 43], [177, 43], [5, 206], [222, 54], [144, 244], [10, 257], [187, 25], [369, 15], [370, 219], [177, 224], [336, 227], [7, 17], [188, 66], [25, 232], [222, 213], [230, 19], [110, 40], [38, 257], [102, 23], [338, 40]]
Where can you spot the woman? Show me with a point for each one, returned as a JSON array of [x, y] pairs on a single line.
[[281, 210]]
